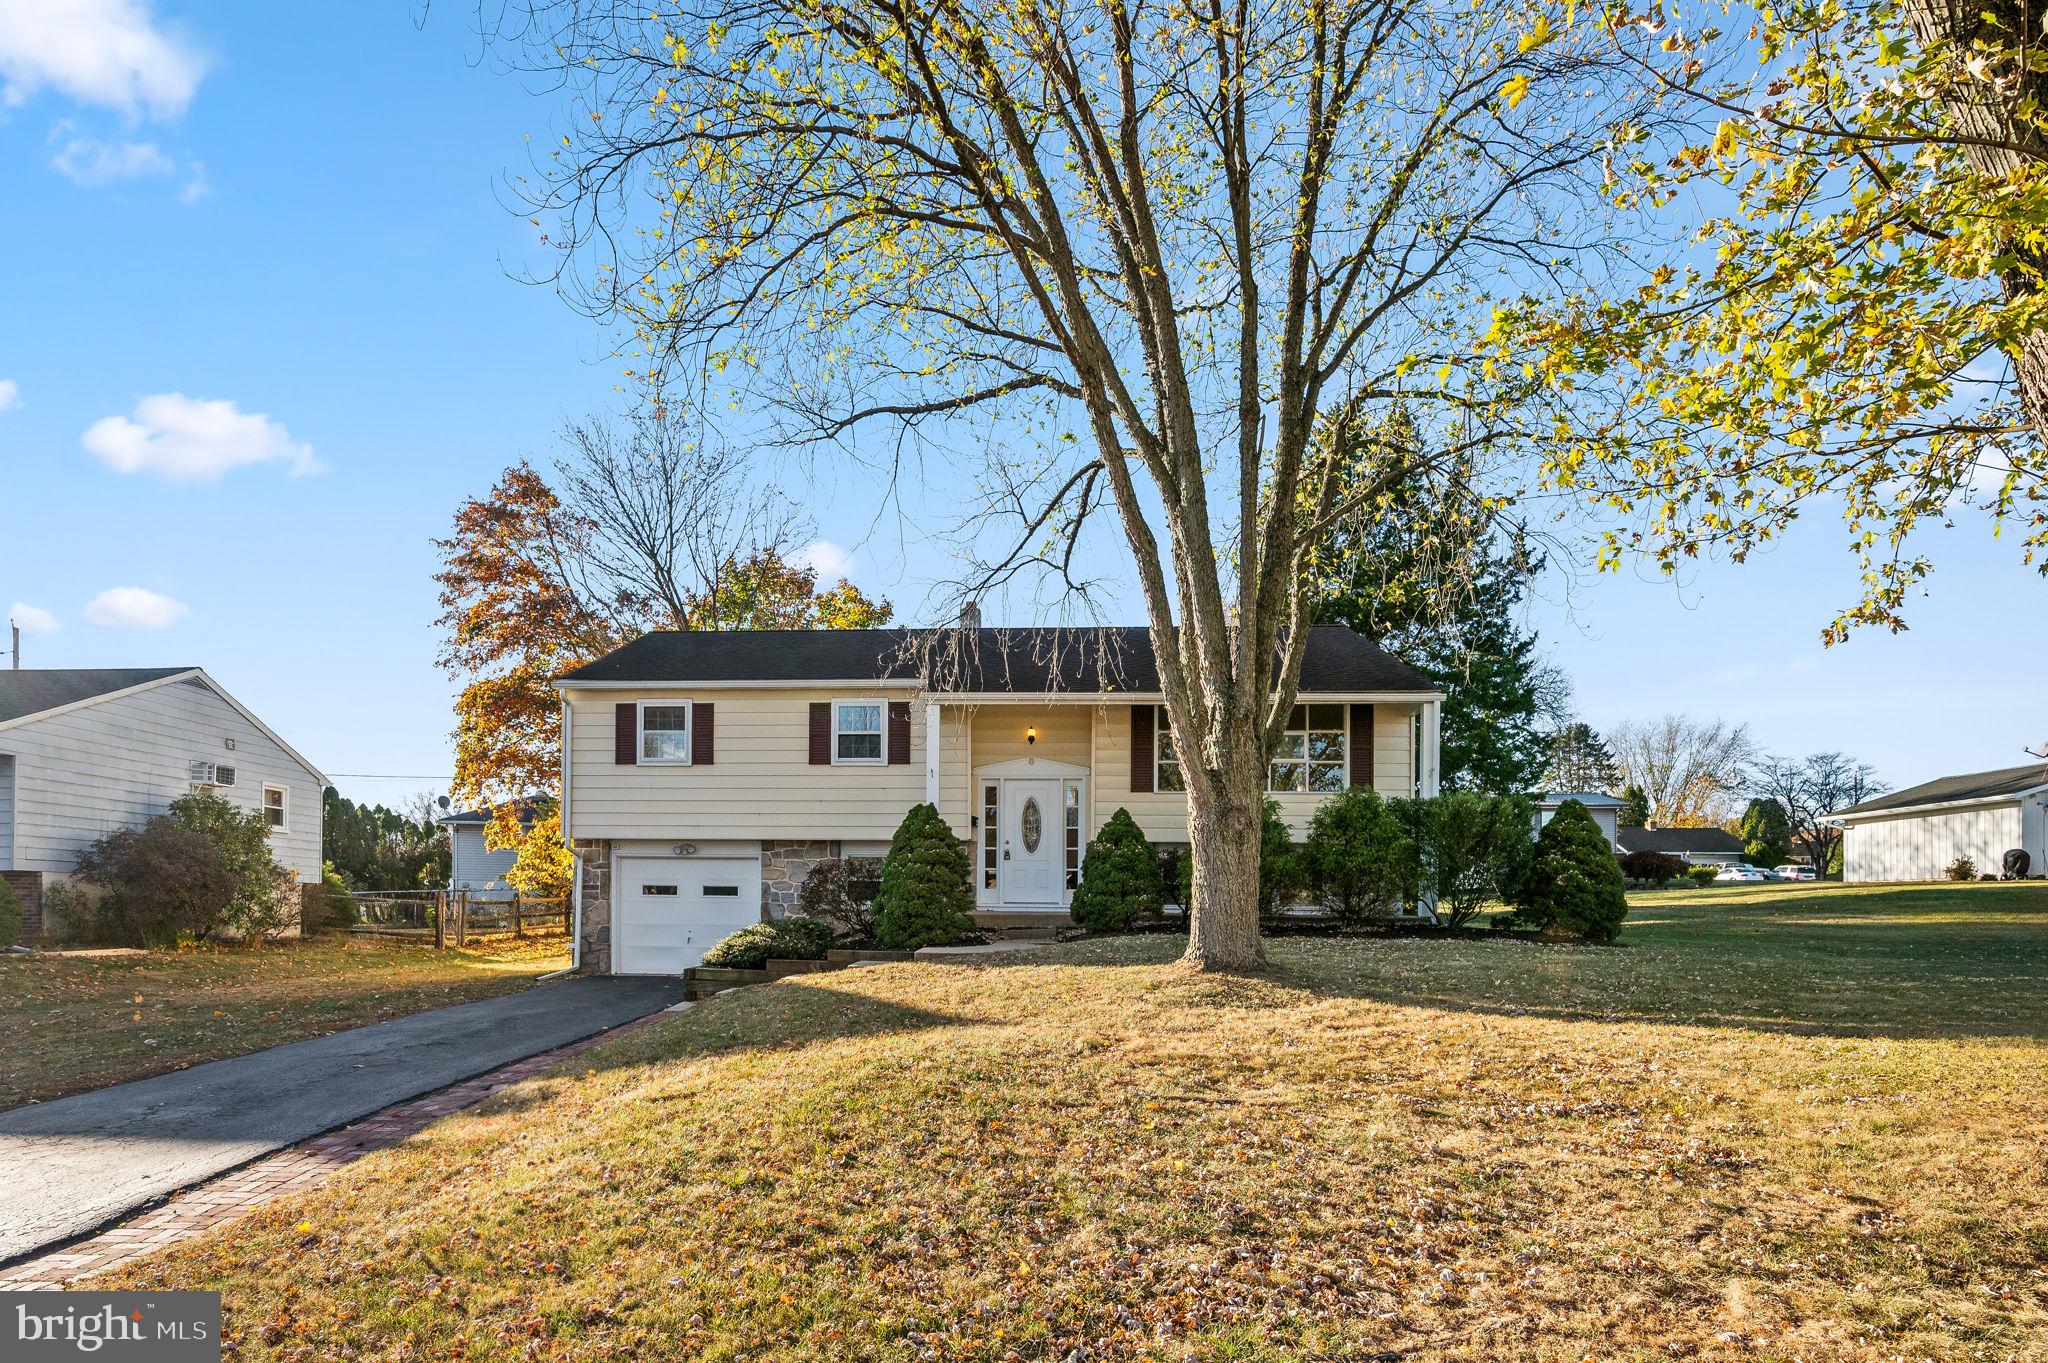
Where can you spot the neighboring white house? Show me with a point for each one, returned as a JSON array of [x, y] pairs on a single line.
[[1916, 834], [472, 865], [1605, 809], [706, 772], [84, 751], [1700, 846]]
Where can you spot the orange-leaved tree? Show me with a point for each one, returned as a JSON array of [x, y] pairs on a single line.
[[641, 530]]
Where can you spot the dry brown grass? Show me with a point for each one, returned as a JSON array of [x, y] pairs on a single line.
[[1385, 1150], [76, 1022]]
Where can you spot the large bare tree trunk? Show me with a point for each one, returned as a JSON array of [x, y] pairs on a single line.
[[1225, 808], [1984, 105]]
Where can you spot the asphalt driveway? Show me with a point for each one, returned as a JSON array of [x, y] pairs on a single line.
[[76, 1163]]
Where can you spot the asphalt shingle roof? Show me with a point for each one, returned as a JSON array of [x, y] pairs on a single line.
[[30, 691], [1679, 841], [1019, 660], [1976, 785]]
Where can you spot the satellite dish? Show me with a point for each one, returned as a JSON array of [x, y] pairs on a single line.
[[443, 802]]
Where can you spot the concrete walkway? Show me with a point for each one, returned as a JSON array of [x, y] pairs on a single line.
[[77, 1163]]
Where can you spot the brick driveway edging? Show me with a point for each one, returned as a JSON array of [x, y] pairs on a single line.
[[240, 1191]]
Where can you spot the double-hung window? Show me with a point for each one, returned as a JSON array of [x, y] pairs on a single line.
[[665, 731], [857, 732], [275, 812], [1311, 753], [1167, 774], [1309, 759]]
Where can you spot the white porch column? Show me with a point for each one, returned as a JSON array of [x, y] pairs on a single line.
[[1432, 747], [931, 753]]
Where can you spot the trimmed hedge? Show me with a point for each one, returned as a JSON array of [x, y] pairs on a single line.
[[1360, 857], [926, 899], [1574, 883], [1120, 881], [795, 938]]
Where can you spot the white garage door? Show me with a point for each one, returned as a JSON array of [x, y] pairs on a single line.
[[672, 909]]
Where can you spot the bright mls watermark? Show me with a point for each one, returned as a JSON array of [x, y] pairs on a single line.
[[110, 1327]]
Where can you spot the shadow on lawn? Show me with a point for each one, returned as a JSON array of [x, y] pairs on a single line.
[[761, 1019], [1859, 978]]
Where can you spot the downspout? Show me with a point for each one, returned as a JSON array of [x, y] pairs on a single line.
[[575, 857]]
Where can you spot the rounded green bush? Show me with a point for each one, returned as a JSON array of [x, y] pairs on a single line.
[[795, 938], [808, 938], [1120, 881], [926, 898], [1573, 884]]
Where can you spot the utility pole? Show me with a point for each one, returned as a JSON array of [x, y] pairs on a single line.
[[15, 630]]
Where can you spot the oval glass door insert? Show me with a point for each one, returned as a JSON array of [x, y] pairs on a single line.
[[1031, 824]]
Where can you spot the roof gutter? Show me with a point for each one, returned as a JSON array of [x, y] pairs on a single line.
[[784, 684], [2009, 796]]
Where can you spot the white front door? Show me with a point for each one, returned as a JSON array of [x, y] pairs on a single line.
[[673, 909], [1032, 850]]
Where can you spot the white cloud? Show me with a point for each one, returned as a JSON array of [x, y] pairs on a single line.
[[826, 559], [111, 53], [86, 160], [32, 619], [133, 608], [10, 395], [90, 162], [194, 440]]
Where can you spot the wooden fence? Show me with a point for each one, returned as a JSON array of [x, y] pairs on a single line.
[[452, 917]]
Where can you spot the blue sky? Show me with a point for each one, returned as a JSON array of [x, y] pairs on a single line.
[[258, 338]]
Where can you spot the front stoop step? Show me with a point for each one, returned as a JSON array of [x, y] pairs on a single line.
[[1008, 922]]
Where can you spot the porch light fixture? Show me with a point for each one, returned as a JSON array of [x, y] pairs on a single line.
[[1030, 734]]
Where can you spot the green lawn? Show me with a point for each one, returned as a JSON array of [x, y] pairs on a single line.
[[1779, 1123], [76, 1022]]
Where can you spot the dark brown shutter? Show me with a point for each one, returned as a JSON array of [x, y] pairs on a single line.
[[701, 731], [1141, 749], [1361, 745], [625, 733], [899, 733], [821, 733]]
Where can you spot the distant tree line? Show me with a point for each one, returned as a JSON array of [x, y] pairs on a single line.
[[374, 848]]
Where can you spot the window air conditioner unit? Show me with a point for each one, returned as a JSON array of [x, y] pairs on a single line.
[[204, 773]]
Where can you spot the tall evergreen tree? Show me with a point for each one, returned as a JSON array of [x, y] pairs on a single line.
[[1580, 760], [1766, 833], [1635, 808], [1439, 579]]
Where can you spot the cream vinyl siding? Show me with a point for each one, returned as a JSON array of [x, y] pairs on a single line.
[[87, 771], [1909, 846], [760, 783], [972, 736], [1163, 815]]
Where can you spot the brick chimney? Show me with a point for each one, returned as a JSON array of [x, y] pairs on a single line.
[[970, 615]]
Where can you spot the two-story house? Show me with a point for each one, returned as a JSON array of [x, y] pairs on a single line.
[[704, 774]]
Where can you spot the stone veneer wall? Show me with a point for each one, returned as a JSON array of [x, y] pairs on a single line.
[[784, 864], [594, 885]]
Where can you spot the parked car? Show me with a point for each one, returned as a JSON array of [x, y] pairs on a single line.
[[1796, 872], [1751, 875]]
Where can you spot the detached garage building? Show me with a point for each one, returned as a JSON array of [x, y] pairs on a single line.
[[1917, 834]]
